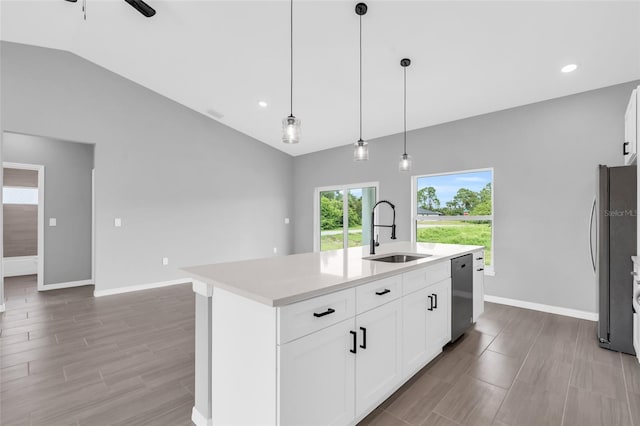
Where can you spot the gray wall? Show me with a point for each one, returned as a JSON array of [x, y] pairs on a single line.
[[67, 197], [185, 186], [544, 157]]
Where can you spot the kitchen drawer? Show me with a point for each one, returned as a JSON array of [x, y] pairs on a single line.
[[377, 293], [302, 318], [478, 258], [422, 278]]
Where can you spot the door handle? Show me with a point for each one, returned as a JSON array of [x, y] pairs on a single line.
[[624, 148], [354, 349], [430, 308], [327, 312], [435, 301], [385, 291], [364, 338], [593, 211]]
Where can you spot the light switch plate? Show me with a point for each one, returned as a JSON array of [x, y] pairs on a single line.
[[286, 220], [52, 221], [165, 261], [117, 222]]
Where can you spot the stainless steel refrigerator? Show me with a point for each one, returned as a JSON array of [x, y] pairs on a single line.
[[613, 242]]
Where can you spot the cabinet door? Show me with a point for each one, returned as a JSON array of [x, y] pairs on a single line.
[[631, 129], [416, 348], [439, 316], [478, 285], [317, 375], [379, 361]]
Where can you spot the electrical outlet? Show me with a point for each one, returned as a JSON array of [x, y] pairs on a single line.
[[286, 221], [275, 250], [165, 261], [117, 222], [52, 221]]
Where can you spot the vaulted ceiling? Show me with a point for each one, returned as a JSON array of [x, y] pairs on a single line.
[[469, 57]]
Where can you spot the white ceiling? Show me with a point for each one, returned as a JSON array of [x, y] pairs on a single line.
[[469, 57]]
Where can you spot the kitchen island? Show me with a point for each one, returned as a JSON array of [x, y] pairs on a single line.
[[319, 338]]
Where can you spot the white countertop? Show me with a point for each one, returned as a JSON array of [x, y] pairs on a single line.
[[282, 280]]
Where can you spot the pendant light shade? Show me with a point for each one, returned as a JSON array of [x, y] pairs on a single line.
[[405, 160], [360, 151], [291, 129], [361, 148], [291, 126]]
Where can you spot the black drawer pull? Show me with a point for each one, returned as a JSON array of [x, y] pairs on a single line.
[[480, 269], [624, 148], [364, 338], [355, 342], [321, 314], [479, 258], [385, 291], [430, 303], [435, 301]]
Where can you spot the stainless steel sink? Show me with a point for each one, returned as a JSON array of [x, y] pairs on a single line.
[[397, 257]]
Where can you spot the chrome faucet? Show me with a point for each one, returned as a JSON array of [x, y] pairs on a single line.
[[374, 242]]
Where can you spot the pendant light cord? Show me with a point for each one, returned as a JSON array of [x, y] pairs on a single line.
[[360, 77], [291, 58], [405, 110]]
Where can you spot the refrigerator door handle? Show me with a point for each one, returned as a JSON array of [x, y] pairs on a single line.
[[593, 258]]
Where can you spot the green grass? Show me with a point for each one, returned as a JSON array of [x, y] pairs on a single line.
[[334, 242], [477, 234]]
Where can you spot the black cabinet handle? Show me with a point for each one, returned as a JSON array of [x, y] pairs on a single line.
[[624, 148], [463, 265], [385, 291], [479, 258], [480, 269], [364, 338], [435, 303], [430, 303], [355, 342], [321, 314]]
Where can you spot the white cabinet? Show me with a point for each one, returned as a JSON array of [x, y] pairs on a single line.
[[378, 355], [478, 284], [337, 373], [317, 374], [631, 129], [427, 325], [439, 316]]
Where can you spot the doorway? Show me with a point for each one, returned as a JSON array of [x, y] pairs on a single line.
[[23, 221]]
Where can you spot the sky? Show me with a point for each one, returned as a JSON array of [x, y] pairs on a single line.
[[447, 185]]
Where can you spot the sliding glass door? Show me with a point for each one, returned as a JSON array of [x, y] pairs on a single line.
[[343, 216]]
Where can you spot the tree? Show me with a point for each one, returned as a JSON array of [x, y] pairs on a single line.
[[483, 207], [427, 198]]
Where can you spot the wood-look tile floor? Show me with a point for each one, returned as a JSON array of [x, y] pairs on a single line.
[[518, 368], [67, 358]]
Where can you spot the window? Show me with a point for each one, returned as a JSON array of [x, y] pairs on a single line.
[[19, 195], [455, 208], [342, 216]]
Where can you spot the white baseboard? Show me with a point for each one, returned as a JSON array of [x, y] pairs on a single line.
[[139, 287], [20, 265], [2, 308], [199, 420], [567, 312], [70, 284]]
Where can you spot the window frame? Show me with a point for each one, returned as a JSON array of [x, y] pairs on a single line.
[[489, 269], [345, 209]]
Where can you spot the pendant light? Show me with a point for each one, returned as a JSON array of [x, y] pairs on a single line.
[[361, 148], [405, 159], [291, 125]]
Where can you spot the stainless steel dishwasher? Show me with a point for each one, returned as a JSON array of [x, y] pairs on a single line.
[[461, 295]]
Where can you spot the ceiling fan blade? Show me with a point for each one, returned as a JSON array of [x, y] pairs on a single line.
[[141, 7]]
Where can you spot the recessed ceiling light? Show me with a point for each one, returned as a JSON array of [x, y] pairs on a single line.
[[263, 104], [569, 68]]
